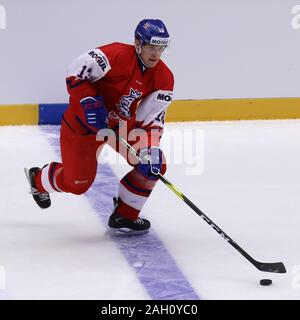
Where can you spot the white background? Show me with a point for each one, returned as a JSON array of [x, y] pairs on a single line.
[[220, 48]]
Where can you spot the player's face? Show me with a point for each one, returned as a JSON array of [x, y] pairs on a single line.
[[151, 54]]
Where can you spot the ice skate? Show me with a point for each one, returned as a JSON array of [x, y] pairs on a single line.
[[121, 225], [41, 198]]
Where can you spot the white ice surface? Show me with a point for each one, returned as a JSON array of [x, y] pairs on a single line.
[[60, 253], [249, 187]]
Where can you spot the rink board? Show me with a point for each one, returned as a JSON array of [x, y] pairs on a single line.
[[180, 110]]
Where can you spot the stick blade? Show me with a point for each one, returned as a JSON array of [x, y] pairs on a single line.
[[276, 267]]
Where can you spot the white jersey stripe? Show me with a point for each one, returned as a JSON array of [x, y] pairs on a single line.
[[133, 200], [45, 180]]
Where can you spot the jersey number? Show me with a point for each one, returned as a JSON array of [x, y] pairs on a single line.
[[161, 117], [85, 73]]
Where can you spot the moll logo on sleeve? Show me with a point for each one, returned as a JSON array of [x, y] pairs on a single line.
[[2, 17], [100, 58]]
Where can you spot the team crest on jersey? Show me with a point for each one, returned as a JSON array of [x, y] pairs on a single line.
[[126, 101]]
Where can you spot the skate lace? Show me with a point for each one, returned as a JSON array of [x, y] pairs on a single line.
[[139, 221], [43, 196]]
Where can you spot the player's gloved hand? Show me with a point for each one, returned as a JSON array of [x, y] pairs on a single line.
[[152, 162], [95, 112], [115, 120]]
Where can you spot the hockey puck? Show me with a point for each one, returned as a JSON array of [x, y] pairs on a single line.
[[265, 282]]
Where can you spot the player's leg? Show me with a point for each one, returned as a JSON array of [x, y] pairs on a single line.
[[134, 190], [77, 171]]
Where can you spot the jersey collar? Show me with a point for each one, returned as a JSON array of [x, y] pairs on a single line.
[[141, 64]]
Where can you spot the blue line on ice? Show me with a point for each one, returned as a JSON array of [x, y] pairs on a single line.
[[155, 268]]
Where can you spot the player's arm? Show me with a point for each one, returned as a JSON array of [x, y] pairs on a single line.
[[151, 117], [82, 73], [152, 111]]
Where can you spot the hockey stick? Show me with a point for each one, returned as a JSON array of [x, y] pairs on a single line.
[[276, 267]]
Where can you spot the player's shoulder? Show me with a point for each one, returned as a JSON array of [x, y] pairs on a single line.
[[117, 48], [165, 73]]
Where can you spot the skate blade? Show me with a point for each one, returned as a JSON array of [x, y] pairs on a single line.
[[26, 170], [124, 232], [31, 190]]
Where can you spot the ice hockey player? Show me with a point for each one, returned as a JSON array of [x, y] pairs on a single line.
[[113, 86]]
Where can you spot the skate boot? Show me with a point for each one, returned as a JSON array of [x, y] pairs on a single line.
[[41, 198], [125, 225]]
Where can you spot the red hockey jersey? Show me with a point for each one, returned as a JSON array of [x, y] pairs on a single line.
[[113, 71]]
